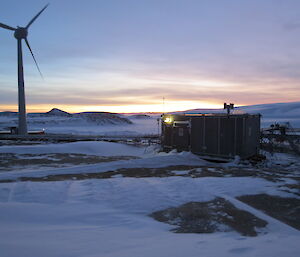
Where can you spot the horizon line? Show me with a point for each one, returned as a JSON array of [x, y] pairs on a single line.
[[151, 112]]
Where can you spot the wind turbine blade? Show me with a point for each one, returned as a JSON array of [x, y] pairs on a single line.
[[27, 43], [6, 27], [35, 17]]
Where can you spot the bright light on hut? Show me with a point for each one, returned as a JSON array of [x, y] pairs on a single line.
[[168, 120]]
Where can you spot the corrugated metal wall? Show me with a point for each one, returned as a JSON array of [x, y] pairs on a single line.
[[214, 135]]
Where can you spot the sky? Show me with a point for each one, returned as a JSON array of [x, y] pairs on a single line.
[[129, 55]]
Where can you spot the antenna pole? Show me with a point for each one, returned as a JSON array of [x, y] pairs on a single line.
[[21, 92], [163, 104]]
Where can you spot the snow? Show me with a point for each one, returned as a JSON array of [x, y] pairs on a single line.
[[271, 113], [78, 125], [180, 172], [148, 160], [110, 218], [85, 147], [139, 127]]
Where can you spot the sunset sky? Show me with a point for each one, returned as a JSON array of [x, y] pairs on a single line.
[[126, 55]]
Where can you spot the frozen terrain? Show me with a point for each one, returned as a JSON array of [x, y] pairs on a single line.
[[103, 209], [94, 198], [110, 218], [61, 122], [109, 124]]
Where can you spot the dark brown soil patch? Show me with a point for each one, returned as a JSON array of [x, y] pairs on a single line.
[[218, 215], [284, 209]]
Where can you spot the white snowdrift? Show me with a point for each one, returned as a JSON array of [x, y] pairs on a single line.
[[85, 147]]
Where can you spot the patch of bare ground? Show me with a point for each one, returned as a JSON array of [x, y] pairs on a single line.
[[218, 215], [125, 172], [191, 171], [284, 209], [11, 161], [21, 142], [292, 188]]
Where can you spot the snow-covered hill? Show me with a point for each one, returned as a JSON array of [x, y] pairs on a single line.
[[102, 118], [58, 112], [104, 123], [140, 116], [277, 112], [58, 120]]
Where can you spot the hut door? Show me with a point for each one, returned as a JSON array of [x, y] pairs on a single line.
[[181, 136]]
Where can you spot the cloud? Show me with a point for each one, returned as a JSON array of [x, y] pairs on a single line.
[[126, 55]]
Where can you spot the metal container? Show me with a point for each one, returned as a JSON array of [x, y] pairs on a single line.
[[216, 135]]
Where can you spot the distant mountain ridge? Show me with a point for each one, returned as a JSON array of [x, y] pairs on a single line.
[[62, 117], [8, 113], [279, 112]]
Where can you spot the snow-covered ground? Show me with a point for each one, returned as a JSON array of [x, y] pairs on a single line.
[[110, 217], [82, 147], [114, 126], [99, 204], [147, 157], [53, 124], [138, 127]]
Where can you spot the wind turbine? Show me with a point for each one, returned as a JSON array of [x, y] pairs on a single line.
[[21, 33]]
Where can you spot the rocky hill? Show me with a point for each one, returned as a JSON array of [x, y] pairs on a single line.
[[58, 112]]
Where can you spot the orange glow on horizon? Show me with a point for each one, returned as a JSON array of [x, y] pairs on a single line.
[[169, 106]]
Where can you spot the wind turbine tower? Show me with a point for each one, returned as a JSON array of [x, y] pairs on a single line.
[[21, 33]]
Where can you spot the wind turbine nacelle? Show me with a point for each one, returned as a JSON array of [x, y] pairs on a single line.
[[21, 33]]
